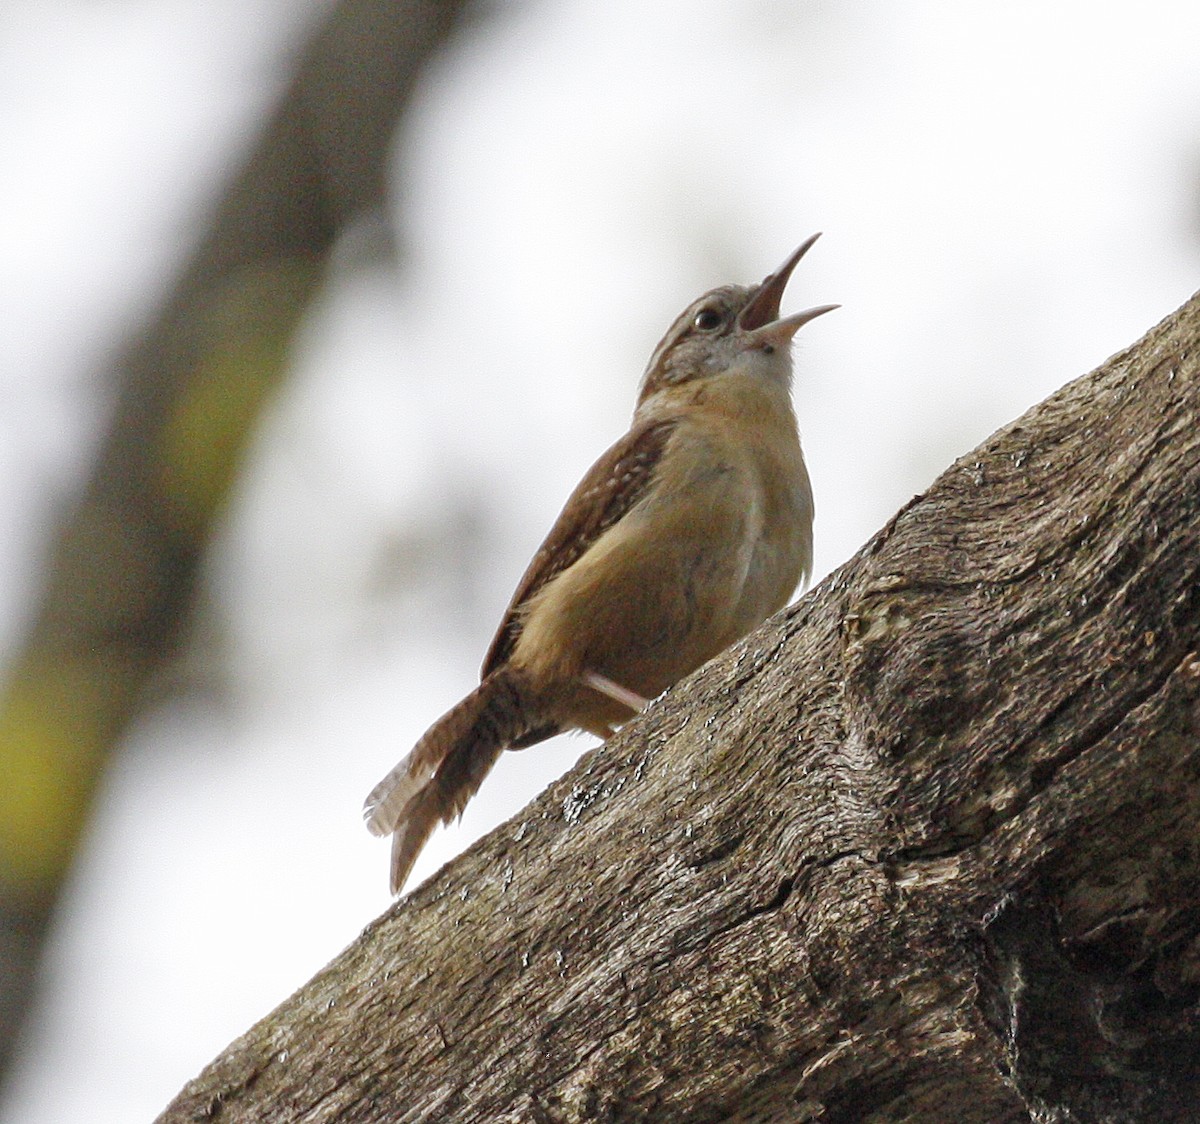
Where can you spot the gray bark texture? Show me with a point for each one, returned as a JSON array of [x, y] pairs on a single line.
[[925, 847]]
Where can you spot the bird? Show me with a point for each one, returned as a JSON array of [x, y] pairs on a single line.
[[685, 535]]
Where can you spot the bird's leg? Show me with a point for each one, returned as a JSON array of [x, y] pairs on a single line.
[[614, 691]]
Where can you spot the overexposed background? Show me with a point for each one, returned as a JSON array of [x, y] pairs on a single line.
[[1009, 193]]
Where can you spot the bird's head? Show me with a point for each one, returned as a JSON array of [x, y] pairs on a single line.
[[734, 326]]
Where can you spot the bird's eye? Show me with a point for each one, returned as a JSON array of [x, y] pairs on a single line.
[[708, 320]]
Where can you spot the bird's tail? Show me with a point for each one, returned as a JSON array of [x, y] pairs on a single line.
[[445, 768]]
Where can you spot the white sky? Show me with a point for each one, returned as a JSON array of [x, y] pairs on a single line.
[[1009, 194]]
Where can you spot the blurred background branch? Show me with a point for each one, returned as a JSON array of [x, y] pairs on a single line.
[[192, 384]]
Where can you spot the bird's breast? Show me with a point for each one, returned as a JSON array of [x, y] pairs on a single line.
[[717, 543]]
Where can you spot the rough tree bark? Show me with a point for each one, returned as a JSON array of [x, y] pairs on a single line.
[[925, 847]]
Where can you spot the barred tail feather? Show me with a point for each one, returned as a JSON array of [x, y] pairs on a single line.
[[410, 839], [443, 799], [445, 768], [385, 806]]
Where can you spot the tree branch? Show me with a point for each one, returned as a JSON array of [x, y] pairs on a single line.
[[924, 847]]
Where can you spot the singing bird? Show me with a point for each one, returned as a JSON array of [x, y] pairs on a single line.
[[686, 534]]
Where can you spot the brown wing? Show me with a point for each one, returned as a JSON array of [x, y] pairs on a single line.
[[607, 491]]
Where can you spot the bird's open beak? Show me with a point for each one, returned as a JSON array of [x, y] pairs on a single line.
[[761, 315]]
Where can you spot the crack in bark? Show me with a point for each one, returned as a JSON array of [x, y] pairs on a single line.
[[1044, 773]]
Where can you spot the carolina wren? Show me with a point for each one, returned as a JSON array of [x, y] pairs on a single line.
[[690, 531]]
